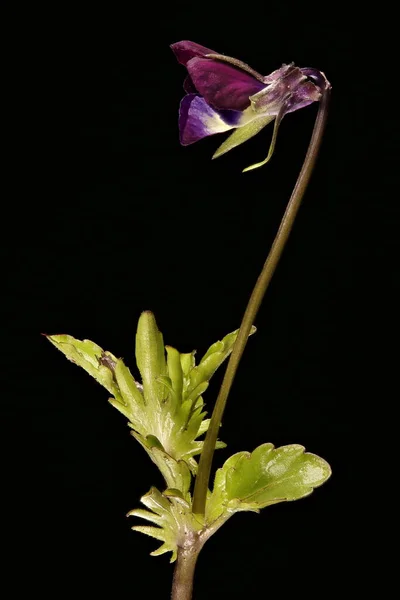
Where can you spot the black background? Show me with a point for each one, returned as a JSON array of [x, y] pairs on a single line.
[[115, 218]]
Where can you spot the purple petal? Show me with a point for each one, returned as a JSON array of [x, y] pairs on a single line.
[[222, 85], [198, 120], [270, 99], [281, 72], [188, 85], [305, 94], [186, 50], [317, 77], [183, 113]]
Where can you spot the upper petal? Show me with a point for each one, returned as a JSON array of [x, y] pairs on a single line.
[[222, 85], [186, 50], [188, 85]]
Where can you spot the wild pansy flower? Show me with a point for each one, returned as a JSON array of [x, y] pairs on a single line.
[[224, 93]]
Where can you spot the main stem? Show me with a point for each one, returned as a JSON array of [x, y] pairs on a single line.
[[203, 475], [182, 583]]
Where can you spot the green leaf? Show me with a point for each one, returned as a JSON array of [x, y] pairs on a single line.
[[270, 475], [187, 362], [175, 472], [154, 532], [154, 442], [173, 517], [174, 494], [146, 515], [90, 357], [217, 501], [196, 393], [175, 370], [213, 358], [168, 405], [127, 386], [155, 501], [150, 358]]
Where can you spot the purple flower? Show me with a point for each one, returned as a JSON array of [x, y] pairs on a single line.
[[224, 93]]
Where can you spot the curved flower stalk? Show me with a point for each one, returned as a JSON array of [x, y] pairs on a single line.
[[224, 94]]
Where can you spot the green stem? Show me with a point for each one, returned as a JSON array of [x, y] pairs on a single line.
[[203, 475], [182, 583]]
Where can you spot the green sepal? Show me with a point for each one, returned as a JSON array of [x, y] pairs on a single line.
[[242, 134]]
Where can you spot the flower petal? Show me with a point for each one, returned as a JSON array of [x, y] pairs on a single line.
[[305, 94], [281, 72], [188, 85], [318, 77], [270, 99], [186, 50], [198, 120], [222, 85], [242, 134]]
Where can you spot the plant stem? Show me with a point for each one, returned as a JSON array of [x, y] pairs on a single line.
[[182, 583], [203, 475]]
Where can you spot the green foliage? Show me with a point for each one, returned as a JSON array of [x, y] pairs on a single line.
[[266, 476], [171, 514], [165, 411]]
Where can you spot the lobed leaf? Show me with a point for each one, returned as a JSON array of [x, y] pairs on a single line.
[[266, 476]]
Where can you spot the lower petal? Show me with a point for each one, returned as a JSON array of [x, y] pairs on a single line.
[[198, 120]]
